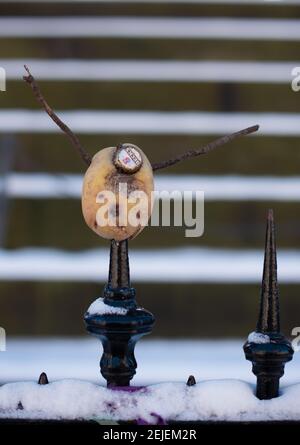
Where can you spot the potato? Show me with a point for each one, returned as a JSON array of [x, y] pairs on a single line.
[[116, 195]]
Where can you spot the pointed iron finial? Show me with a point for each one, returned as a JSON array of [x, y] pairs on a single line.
[[269, 356], [43, 379], [269, 320]]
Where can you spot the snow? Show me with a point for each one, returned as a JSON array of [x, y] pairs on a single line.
[[99, 307], [216, 188], [208, 400], [78, 358], [258, 338], [152, 70], [224, 28], [150, 122], [224, 390], [176, 265]]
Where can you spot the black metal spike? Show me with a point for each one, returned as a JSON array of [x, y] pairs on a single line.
[[191, 381], [43, 379], [269, 319], [269, 357]]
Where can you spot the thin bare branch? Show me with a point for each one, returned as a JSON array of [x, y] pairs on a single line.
[[207, 148], [85, 156]]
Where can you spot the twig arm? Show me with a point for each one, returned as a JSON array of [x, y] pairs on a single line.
[[203, 150], [85, 156]]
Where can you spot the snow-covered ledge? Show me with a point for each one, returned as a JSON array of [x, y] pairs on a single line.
[[258, 338], [215, 400], [98, 307]]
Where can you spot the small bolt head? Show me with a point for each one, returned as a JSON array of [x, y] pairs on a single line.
[[128, 158]]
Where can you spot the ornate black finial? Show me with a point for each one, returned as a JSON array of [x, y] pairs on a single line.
[[122, 324], [267, 348]]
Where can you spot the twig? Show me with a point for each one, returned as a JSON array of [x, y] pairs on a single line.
[[207, 148], [85, 156]]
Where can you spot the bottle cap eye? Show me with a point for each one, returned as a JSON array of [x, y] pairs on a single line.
[[128, 158]]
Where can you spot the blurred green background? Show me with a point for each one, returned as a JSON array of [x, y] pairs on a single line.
[[181, 310]]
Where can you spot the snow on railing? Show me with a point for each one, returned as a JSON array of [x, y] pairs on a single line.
[[216, 188], [152, 70], [155, 27]]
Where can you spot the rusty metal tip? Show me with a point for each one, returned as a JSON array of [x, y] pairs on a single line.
[[269, 317], [191, 381], [119, 265], [43, 379]]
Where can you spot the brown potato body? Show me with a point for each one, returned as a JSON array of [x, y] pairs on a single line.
[[101, 176]]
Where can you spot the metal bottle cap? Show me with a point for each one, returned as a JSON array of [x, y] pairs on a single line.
[[128, 158]]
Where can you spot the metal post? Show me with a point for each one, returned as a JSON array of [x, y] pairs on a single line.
[[269, 358], [118, 332]]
